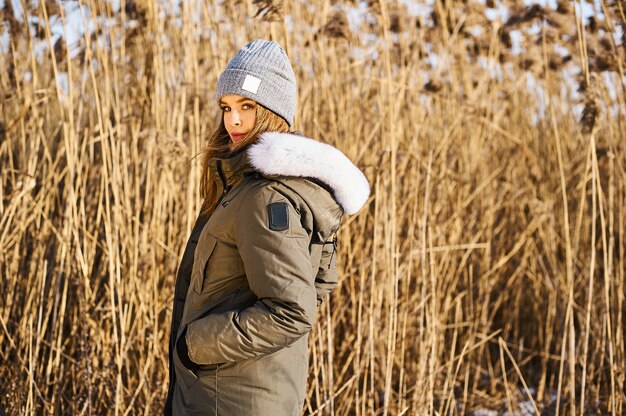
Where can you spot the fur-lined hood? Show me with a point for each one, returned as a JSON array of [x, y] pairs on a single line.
[[288, 154]]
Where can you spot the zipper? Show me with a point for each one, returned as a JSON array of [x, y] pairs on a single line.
[[220, 172], [334, 243]]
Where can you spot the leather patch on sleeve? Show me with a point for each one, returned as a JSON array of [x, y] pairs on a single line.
[[278, 216]]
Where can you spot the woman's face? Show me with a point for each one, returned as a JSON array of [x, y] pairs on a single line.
[[239, 117]]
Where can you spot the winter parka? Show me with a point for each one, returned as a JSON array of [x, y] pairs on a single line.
[[253, 274]]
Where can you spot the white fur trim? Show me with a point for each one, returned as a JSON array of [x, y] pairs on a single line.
[[291, 155]]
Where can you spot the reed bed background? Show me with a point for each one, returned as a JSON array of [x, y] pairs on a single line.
[[486, 272]]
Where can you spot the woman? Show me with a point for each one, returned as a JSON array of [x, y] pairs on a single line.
[[261, 256]]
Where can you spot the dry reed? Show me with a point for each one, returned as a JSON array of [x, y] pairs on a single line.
[[487, 270]]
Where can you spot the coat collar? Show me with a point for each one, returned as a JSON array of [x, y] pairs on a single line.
[[229, 170], [284, 154]]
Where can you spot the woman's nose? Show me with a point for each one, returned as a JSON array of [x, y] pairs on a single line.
[[234, 118]]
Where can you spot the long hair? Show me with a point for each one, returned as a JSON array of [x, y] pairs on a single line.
[[220, 145]]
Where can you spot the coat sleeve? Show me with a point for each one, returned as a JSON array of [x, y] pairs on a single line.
[[278, 268]]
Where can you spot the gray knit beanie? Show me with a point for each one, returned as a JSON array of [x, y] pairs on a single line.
[[262, 72]]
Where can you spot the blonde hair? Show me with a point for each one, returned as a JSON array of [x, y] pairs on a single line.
[[219, 145]]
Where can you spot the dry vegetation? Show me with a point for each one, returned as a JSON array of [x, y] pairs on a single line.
[[487, 270]]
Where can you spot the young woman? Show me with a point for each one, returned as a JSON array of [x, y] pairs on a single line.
[[260, 258]]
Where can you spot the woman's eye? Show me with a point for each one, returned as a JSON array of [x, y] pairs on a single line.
[[247, 106], [225, 109]]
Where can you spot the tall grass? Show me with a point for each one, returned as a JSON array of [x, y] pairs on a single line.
[[486, 271]]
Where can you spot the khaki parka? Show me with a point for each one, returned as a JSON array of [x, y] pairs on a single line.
[[249, 284]]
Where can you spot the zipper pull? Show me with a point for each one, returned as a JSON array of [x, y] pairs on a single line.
[[334, 243]]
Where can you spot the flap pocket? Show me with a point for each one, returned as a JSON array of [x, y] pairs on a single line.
[[206, 245]]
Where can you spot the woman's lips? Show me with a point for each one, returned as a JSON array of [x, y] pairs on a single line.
[[237, 136]]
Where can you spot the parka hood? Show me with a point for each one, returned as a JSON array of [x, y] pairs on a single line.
[[288, 154]]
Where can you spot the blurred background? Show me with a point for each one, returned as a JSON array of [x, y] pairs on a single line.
[[484, 276]]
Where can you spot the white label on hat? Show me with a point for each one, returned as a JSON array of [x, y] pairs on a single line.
[[251, 84]]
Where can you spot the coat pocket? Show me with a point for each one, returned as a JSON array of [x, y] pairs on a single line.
[[185, 376], [189, 373], [220, 272], [202, 396], [205, 248]]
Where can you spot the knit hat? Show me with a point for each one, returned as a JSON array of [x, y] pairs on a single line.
[[262, 72]]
